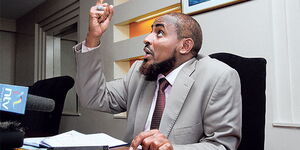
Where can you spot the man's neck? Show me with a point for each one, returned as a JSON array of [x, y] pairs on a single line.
[[177, 64]]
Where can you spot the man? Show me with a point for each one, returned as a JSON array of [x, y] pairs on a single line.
[[200, 107]]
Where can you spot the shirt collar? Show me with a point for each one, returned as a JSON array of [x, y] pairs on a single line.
[[172, 75]]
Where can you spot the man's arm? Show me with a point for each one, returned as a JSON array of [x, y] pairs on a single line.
[[91, 86], [223, 115], [222, 119], [93, 90]]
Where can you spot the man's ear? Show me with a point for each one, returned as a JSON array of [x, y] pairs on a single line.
[[187, 45]]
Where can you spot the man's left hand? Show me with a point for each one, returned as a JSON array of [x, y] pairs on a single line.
[[151, 140]]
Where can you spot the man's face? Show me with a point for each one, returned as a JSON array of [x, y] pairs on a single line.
[[160, 46]]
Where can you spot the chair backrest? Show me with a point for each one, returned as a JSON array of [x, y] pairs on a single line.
[[47, 123], [252, 72]]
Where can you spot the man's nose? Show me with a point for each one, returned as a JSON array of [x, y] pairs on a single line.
[[148, 39]]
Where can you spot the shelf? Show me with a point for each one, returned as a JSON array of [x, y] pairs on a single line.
[[140, 25], [119, 2], [121, 67]]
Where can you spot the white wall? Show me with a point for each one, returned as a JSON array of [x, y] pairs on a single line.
[[7, 57], [49, 14], [68, 68], [7, 50], [245, 29]]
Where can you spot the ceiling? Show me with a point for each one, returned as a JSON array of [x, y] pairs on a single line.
[[14, 9]]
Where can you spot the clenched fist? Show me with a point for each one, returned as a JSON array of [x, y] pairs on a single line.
[[99, 19]]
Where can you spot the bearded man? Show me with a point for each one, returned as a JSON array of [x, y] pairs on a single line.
[[175, 98]]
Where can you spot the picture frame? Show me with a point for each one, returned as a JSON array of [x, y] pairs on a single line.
[[192, 7]]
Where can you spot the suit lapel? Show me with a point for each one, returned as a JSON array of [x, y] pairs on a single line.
[[180, 90], [144, 107]]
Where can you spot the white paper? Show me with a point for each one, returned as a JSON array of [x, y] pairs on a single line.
[[39, 140], [74, 138], [33, 141]]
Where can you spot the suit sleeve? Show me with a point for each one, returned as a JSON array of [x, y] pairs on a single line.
[[93, 90], [222, 120]]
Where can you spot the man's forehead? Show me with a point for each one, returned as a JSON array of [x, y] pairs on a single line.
[[164, 21]]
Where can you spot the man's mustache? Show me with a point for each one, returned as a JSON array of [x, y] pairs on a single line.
[[148, 50]]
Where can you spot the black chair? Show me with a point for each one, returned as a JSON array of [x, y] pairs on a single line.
[[252, 72], [47, 123]]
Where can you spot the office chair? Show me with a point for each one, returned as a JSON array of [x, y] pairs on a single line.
[[252, 72], [47, 123]]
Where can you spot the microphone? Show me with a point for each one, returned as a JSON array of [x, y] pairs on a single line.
[[38, 103], [11, 135], [16, 99]]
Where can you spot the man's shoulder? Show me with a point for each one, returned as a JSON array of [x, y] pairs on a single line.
[[207, 70], [136, 65], [134, 69], [205, 62]]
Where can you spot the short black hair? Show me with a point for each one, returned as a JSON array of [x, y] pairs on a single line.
[[188, 27]]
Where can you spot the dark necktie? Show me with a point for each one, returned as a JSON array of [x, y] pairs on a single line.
[[160, 104]]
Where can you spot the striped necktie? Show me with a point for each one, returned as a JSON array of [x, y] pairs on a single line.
[[160, 104]]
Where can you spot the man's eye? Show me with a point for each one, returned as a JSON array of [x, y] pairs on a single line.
[[160, 33]]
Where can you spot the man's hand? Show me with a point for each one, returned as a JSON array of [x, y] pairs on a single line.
[[98, 22], [151, 140]]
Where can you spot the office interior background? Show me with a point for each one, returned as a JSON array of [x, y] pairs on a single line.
[[36, 43]]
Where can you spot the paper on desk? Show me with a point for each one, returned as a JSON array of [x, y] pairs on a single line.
[[25, 147], [99, 139], [33, 141], [36, 141], [74, 138]]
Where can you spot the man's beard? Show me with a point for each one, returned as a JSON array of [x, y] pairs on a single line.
[[152, 71]]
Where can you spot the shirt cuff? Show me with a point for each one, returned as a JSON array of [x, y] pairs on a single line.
[[81, 48], [87, 49]]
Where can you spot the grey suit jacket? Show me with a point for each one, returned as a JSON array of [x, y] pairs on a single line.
[[203, 110]]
